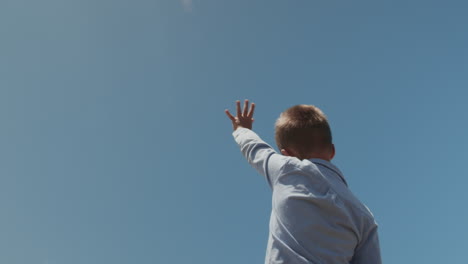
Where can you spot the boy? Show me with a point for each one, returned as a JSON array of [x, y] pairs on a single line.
[[315, 218]]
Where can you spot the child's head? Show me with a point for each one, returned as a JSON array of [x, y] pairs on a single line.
[[302, 131]]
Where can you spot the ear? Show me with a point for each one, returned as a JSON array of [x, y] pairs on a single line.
[[285, 152], [332, 151]]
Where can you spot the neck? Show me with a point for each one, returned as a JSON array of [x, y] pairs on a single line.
[[323, 157]]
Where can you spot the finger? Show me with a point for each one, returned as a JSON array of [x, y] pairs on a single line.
[[246, 107], [252, 109], [239, 114], [233, 119]]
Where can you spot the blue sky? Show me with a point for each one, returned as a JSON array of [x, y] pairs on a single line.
[[115, 147]]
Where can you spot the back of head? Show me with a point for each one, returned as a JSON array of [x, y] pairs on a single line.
[[304, 129]]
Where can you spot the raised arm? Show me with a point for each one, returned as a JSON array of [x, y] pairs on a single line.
[[257, 152]]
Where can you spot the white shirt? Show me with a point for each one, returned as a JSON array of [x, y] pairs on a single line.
[[315, 218]]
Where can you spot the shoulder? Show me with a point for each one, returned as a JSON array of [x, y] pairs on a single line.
[[302, 175], [293, 164]]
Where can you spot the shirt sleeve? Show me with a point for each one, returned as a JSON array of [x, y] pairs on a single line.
[[259, 154], [368, 252]]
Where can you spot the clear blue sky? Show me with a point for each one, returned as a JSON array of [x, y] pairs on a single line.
[[115, 148]]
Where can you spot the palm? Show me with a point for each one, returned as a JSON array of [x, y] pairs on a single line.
[[244, 118]]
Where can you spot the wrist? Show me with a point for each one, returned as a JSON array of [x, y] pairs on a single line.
[[241, 127]]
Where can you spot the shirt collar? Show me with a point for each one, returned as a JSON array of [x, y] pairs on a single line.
[[331, 167]]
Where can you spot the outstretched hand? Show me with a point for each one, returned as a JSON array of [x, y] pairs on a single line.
[[244, 117]]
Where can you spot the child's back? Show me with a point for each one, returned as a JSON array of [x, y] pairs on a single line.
[[315, 217]]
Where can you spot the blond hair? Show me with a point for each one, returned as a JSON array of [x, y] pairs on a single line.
[[303, 128]]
